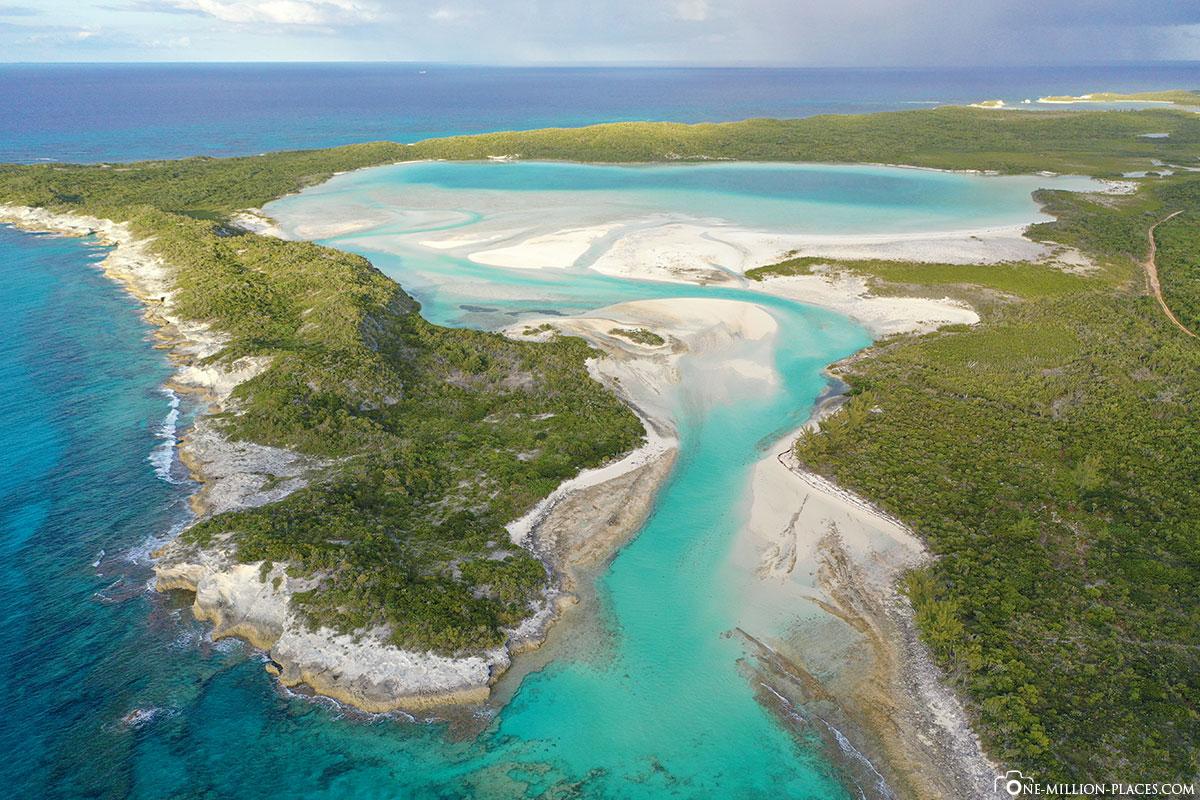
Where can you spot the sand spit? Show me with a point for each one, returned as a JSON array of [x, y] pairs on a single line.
[[560, 249], [253, 603], [850, 294]]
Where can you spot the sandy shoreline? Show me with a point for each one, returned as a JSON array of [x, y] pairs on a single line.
[[852, 660], [835, 641], [241, 602]]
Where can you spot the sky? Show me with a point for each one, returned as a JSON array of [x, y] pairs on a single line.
[[718, 32]]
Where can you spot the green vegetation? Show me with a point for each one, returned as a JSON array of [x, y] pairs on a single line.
[[1049, 458], [1094, 143], [1182, 97], [440, 436], [1021, 279], [207, 188], [639, 336]]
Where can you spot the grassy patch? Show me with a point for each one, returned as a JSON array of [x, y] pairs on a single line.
[[639, 336]]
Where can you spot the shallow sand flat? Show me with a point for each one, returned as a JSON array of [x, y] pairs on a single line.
[[467, 241], [964, 246], [681, 251], [690, 250], [558, 250], [711, 334], [689, 253], [668, 251], [724, 335], [360, 217]]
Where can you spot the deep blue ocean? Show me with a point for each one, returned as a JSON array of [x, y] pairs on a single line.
[[108, 690], [104, 112]]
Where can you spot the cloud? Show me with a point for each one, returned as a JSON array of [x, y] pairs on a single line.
[[271, 12], [691, 10], [65, 36], [452, 14], [722, 32], [18, 11]]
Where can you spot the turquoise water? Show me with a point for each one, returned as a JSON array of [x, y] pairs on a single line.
[[652, 700], [386, 212], [818, 199]]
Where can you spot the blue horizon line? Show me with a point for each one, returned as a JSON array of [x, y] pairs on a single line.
[[666, 65]]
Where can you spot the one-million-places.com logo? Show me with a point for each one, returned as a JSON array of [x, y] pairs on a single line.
[[1015, 783]]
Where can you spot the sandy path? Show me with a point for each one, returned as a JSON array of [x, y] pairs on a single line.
[[1152, 276]]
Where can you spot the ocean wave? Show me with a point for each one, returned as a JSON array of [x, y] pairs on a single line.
[[228, 645], [191, 637], [851, 753], [119, 591], [854, 754], [140, 554], [343, 712], [139, 717], [163, 456]]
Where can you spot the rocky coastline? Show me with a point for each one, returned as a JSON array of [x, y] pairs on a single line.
[[252, 601]]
